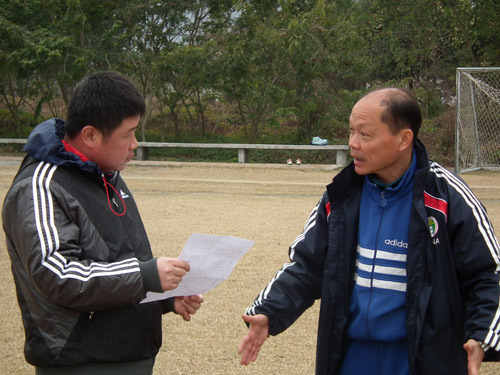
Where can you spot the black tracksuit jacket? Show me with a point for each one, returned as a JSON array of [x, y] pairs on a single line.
[[76, 263]]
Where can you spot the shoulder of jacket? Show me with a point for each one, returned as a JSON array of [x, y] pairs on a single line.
[[344, 184], [444, 181]]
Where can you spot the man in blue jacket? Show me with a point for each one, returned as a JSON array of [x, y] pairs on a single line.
[[401, 254]]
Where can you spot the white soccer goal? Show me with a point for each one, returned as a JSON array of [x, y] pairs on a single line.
[[477, 130]]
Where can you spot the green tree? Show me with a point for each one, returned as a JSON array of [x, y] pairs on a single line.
[[324, 55], [15, 84], [420, 43], [291, 59], [162, 53], [53, 44], [248, 63]]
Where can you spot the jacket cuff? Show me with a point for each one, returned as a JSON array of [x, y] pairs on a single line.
[[491, 355], [150, 278], [168, 305], [270, 322]]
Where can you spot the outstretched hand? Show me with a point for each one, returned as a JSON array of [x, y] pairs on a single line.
[[258, 332], [186, 306], [475, 355]]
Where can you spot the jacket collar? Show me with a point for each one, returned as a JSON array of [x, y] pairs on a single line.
[[348, 181], [45, 143]]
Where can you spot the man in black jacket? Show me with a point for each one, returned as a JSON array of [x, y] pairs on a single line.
[[81, 258], [401, 254]]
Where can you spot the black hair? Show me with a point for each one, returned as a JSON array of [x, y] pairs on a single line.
[[103, 100], [402, 110]]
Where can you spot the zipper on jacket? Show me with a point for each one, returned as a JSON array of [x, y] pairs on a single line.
[[383, 203], [91, 315]]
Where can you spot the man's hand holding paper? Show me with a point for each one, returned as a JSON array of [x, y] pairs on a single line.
[[210, 260], [171, 271]]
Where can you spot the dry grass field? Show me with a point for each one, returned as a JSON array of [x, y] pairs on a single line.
[[264, 203]]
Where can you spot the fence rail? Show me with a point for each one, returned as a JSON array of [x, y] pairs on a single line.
[[243, 148]]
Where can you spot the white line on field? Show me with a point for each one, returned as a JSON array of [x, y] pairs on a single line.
[[252, 182]]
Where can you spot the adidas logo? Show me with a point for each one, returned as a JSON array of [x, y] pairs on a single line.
[[397, 243], [123, 194]]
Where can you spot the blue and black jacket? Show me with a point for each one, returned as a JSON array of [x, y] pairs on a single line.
[[452, 272]]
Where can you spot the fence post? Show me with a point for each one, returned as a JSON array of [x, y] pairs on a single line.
[[243, 155], [142, 153]]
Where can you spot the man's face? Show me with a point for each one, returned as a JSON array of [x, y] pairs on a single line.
[[374, 148], [114, 152]]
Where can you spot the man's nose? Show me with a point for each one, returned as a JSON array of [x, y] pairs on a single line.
[[353, 142], [134, 144]]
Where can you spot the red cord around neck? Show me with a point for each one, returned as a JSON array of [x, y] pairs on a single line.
[[106, 184]]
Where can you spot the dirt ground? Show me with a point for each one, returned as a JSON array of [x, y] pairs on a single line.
[[264, 203]]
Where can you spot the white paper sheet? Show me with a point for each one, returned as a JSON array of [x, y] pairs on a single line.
[[211, 260]]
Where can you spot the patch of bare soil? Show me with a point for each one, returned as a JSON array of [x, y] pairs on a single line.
[[268, 204]]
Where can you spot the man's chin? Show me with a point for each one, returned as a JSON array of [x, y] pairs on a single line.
[[361, 171], [119, 168]]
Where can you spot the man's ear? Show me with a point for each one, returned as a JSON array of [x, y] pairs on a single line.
[[90, 136], [406, 139]]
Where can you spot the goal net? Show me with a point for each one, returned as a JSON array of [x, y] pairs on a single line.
[[477, 130]]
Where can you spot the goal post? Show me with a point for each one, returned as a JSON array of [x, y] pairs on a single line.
[[477, 127]]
